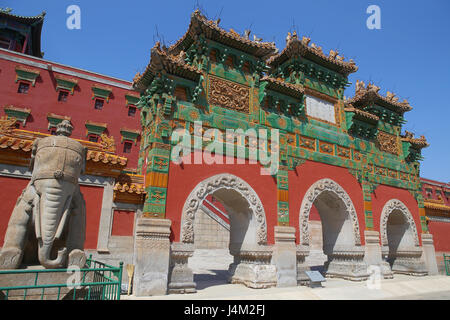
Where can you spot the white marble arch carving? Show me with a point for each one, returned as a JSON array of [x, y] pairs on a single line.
[[389, 207], [212, 184], [310, 196]]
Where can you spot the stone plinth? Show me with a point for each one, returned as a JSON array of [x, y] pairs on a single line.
[[151, 256], [253, 268], [301, 253], [429, 254], [406, 261], [372, 255], [181, 277], [347, 264], [284, 256]]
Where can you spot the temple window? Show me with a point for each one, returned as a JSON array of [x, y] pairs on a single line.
[[246, 67], [95, 129], [181, 93], [4, 43], [53, 131], [129, 136], [229, 62], [131, 111], [23, 87], [99, 104], [213, 55], [62, 95], [127, 145], [93, 138]]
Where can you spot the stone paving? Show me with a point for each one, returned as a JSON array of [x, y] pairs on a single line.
[[401, 287], [210, 274]]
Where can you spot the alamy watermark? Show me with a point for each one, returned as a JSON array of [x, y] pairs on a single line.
[[374, 20], [374, 280], [74, 280], [74, 20], [231, 149]]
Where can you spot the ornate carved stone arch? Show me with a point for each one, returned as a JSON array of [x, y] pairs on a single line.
[[388, 208], [212, 184], [313, 192]]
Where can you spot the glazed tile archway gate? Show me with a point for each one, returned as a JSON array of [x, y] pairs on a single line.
[[406, 258], [227, 81], [346, 257], [252, 258]]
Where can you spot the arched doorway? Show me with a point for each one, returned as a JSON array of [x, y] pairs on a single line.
[[247, 234], [399, 239], [340, 231]]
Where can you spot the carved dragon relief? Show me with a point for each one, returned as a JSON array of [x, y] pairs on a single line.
[[229, 95], [387, 142]]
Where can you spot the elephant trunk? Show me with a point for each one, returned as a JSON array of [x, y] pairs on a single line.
[[44, 256], [53, 211]]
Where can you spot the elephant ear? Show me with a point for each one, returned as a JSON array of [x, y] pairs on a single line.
[[33, 153]]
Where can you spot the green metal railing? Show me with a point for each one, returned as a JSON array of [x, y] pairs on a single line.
[[447, 264], [98, 281]]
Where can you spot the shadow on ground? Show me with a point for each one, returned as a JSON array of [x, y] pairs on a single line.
[[218, 277]]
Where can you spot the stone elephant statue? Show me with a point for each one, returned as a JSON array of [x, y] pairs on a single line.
[[51, 209]]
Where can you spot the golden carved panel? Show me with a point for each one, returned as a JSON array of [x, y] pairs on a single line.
[[228, 94], [343, 152], [307, 143], [325, 147], [387, 142]]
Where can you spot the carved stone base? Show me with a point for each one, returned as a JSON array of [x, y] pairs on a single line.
[[10, 258], [373, 256], [151, 256], [284, 256], [301, 253], [413, 266], [429, 254], [77, 258], [347, 265], [181, 277], [386, 270], [408, 262], [254, 269]]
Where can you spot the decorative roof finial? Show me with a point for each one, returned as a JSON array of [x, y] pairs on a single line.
[[255, 38], [294, 35], [288, 37]]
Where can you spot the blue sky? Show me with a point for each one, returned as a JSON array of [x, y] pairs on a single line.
[[409, 55]]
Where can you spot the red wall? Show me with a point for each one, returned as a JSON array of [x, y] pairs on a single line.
[[123, 223], [184, 178], [10, 190], [441, 235], [383, 194], [301, 179], [43, 98]]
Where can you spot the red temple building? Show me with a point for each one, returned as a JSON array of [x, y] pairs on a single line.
[[128, 175]]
